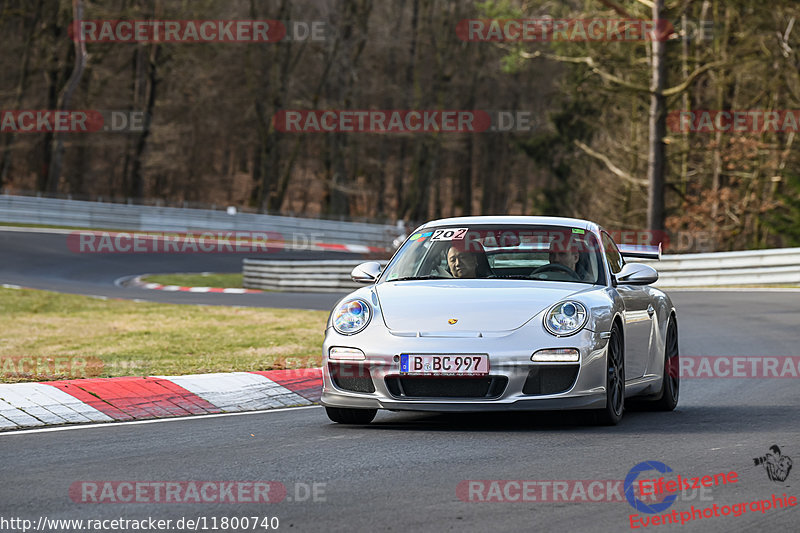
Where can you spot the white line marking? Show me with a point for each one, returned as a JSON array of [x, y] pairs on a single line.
[[172, 419], [121, 282], [56, 231]]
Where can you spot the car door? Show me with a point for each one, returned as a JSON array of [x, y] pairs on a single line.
[[639, 315]]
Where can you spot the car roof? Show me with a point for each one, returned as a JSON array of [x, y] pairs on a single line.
[[514, 220]]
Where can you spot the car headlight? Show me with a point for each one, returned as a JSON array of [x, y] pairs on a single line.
[[565, 318], [351, 316]]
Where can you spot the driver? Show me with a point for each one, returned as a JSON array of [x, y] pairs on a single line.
[[564, 258], [564, 255]]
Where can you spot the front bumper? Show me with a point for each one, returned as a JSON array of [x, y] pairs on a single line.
[[509, 361]]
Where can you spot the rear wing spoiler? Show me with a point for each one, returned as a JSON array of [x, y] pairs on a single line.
[[640, 251]]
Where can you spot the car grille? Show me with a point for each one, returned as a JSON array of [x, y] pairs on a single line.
[[550, 379], [354, 378], [450, 387]]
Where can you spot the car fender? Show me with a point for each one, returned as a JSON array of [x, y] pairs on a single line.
[[604, 306], [664, 308]]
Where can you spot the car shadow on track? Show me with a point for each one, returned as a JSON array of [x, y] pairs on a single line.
[[688, 420]]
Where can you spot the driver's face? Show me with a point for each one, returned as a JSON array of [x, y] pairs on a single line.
[[568, 258], [462, 264]]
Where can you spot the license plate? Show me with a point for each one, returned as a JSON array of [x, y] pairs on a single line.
[[444, 365]]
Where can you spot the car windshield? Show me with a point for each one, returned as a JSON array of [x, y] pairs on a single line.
[[547, 253]]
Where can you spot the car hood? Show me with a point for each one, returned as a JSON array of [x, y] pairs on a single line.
[[480, 306]]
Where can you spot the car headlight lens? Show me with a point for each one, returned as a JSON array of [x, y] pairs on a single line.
[[557, 355], [345, 354], [565, 318], [351, 316]]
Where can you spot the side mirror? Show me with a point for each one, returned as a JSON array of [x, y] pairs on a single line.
[[637, 274], [366, 272]]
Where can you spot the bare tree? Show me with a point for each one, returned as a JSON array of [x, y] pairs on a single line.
[[657, 120], [54, 172]]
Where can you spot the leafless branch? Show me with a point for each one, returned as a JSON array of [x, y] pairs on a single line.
[[592, 64], [611, 166], [677, 89]]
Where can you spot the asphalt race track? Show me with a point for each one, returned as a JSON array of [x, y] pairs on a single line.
[[401, 473], [44, 261]]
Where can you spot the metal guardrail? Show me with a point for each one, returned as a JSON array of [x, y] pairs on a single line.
[[758, 267], [752, 267], [300, 276], [99, 215]]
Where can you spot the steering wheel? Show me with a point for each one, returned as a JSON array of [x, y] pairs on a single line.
[[557, 267]]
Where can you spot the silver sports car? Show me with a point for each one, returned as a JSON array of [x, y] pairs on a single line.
[[503, 313]]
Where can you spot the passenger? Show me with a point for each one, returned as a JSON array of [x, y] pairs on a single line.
[[462, 264]]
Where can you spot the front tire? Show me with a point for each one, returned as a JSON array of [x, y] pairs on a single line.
[[343, 415], [615, 381]]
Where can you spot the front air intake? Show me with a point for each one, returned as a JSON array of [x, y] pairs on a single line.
[[550, 379], [350, 377], [451, 387]]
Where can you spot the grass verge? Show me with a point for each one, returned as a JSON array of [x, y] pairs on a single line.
[[204, 279], [48, 335]]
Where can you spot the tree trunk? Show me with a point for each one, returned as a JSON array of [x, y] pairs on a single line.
[[137, 179], [54, 172], [400, 171], [657, 129]]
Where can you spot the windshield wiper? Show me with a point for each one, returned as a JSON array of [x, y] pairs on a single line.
[[410, 278]]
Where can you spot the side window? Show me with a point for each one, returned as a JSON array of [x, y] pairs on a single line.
[[613, 256]]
